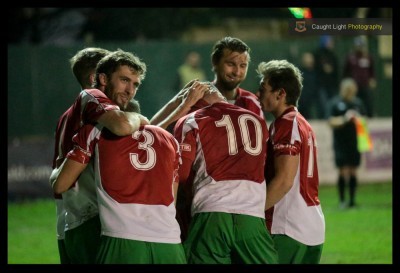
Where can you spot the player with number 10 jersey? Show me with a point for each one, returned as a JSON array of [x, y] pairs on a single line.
[[223, 150]]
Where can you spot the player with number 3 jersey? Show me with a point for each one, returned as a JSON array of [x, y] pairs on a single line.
[[136, 181]]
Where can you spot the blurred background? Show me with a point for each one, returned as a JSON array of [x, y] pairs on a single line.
[[41, 85]]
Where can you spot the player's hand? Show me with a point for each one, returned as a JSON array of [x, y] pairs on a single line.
[[143, 120], [183, 92], [195, 92]]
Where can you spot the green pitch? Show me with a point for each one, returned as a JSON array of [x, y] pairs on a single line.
[[361, 235]]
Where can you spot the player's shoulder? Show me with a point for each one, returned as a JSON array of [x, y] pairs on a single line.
[[96, 93], [243, 93], [154, 128]]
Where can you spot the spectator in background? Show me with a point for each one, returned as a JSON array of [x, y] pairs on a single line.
[[344, 108], [326, 66], [190, 69], [308, 102], [359, 65]]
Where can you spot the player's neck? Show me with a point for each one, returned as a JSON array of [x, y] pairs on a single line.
[[229, 94]]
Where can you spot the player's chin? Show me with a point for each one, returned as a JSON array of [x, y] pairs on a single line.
[[122, 103], [233, 84], [122, 106]]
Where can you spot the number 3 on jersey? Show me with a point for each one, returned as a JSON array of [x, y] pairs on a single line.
[[146, 146]]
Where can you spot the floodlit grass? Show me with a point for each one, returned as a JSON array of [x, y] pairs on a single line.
[[32, 233], [362, 235]]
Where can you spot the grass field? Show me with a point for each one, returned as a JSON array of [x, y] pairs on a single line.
[[361, 235]]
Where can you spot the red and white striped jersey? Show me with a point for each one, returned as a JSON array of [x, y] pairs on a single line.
[[298, 214], [223, 149], [80, 201], [134, 181]]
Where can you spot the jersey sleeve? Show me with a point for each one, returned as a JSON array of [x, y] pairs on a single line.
[[58, 156], [94, 103], [84, 142], [187, 146], [287, 139]]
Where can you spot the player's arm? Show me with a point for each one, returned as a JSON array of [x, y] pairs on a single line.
[[285, 171], [175, 186], [122, 123], [180, 105], [168, 108], [63, 178]]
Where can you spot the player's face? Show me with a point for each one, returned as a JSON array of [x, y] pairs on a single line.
[[122, 86], [231, 69], [268, 96]]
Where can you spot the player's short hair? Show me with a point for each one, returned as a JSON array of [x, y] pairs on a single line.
[[283, 74], [110, 63], [84, 63], [233, 44]]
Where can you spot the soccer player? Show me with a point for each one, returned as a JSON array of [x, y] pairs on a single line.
[[223, 149], [230, 60], [83, 65], [294, 214], [118, 76], [136, 183]]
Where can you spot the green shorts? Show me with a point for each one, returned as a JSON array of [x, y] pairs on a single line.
[[225, 238], [125, 251], [82, 242], [291, 251], [64, 259]]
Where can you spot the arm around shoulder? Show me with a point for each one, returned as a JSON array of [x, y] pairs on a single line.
[[122, 123]]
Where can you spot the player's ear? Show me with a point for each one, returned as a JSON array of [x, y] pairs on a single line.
[[103, 79], [281, 93], [92, 78]]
